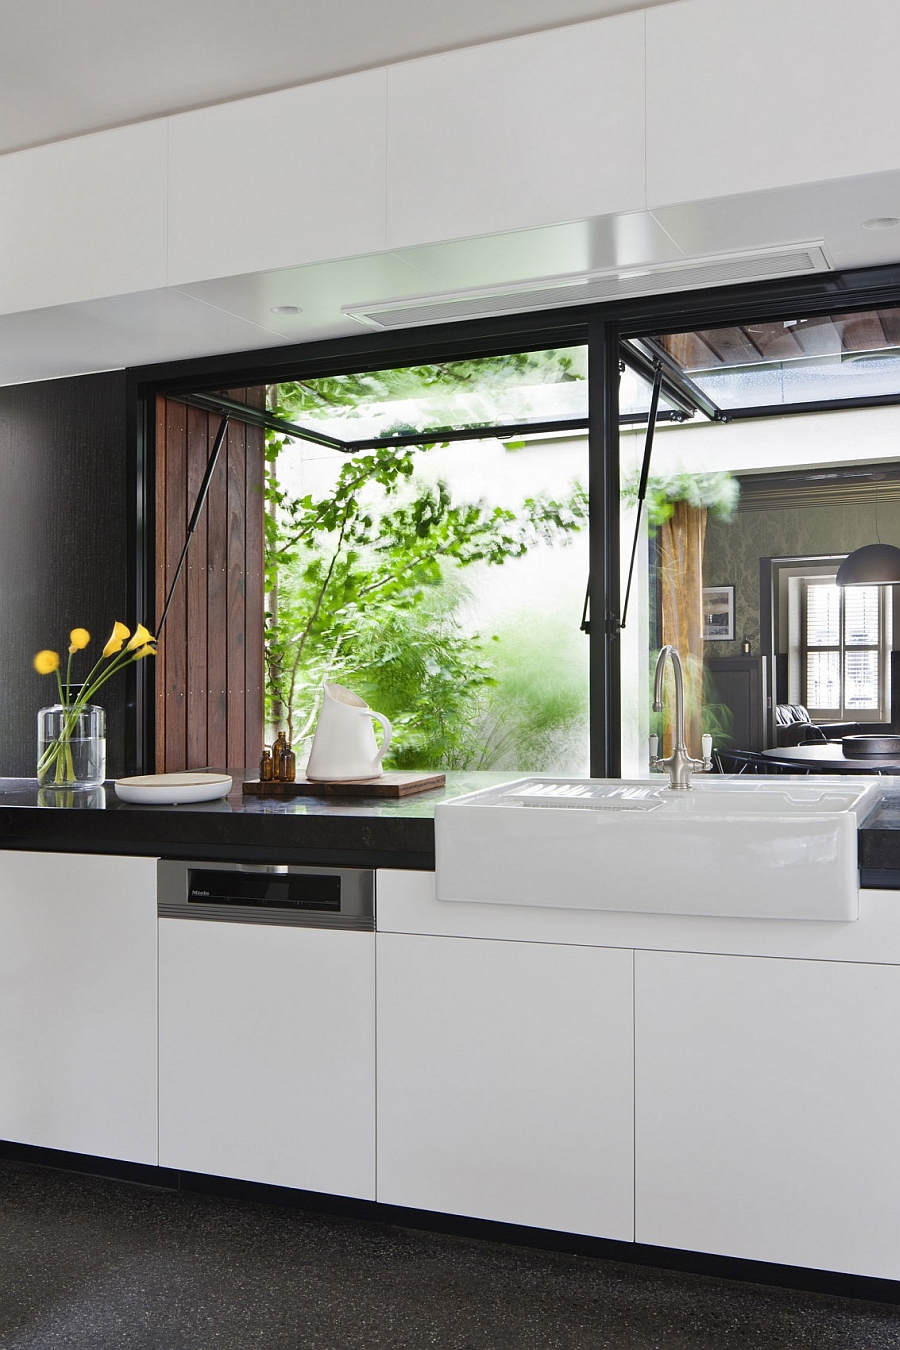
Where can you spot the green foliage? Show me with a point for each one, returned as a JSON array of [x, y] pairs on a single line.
[[718, 492], [458, 702], [427, 675], [361, 583], [480, 379], [536, 713]]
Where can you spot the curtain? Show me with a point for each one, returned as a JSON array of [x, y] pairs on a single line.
[[681, 593]]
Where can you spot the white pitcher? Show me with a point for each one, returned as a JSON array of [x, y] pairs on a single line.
[[344, 746]]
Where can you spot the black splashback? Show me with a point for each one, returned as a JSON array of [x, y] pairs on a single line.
[[64, 526]]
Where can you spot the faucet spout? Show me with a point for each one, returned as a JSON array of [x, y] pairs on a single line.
[[679, 764]]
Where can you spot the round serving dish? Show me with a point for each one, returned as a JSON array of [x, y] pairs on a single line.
[[173, 789], [866, 747]]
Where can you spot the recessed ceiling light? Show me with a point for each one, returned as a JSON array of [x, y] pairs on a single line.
[[286, 309], [881, 223]]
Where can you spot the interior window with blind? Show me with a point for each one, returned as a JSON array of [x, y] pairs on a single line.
[[845, 643]]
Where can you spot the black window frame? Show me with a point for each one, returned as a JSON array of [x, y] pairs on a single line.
[[602, 327]]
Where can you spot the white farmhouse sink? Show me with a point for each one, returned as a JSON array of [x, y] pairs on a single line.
[[776, 848]]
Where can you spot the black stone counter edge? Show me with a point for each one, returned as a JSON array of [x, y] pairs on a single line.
[[317, 841], [879, 858]]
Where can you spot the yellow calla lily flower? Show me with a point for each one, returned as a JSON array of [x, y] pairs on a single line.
[[141, 638], [78, 638], [149, 650], [116, 638], [46, 662]]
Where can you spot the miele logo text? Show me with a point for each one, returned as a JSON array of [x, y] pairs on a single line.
[[196, 892]]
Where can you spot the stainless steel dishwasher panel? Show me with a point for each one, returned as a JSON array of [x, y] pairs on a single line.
[[267, 893]]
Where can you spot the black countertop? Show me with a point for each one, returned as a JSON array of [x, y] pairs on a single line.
[[358, 831], [879, 844]]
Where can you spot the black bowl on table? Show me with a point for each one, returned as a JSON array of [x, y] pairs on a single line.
[[871, 747]]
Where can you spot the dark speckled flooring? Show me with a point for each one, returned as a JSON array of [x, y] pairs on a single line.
[[87, 1263]]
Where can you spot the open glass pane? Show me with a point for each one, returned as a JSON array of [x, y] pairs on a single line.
[[790, 361], [499, 391], [634, 396]]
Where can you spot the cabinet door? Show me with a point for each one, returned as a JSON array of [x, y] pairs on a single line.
[[766, 1109], [267, 1054], [785, 59], [78, 1003], [528, 131], [505, 1081]]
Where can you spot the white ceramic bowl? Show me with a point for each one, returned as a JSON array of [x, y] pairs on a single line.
[[171, 789]]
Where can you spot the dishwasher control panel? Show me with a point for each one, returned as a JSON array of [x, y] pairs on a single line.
[[320, 897]]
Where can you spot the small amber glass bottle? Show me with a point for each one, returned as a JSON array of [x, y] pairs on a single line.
[[278, 750], [288, 765], [265, 766]]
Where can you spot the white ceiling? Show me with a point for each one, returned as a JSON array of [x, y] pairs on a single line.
[[70, 68]]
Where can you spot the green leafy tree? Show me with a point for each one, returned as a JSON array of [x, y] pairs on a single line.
[[364, 581], [718, 491], [443, 389], [360, 580]]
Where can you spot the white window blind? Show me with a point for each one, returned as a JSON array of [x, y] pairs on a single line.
[[845, 650]]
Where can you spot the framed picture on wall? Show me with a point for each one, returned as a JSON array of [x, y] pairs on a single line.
[[718, 614]]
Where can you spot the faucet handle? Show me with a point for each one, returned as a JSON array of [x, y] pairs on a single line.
[[654, 751], [706, 748]]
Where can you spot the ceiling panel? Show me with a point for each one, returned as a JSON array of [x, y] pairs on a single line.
[[629, 240], [833, 211], [67, 69], [317, 291], [140, 329]]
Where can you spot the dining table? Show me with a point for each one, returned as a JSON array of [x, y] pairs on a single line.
[[829, 757]]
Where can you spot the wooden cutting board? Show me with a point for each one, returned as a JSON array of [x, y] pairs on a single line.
[[392, 783]]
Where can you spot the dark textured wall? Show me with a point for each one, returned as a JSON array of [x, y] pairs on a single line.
[[64, 513], [733, 550]]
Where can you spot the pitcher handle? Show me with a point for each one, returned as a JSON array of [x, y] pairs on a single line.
[[388, 732]]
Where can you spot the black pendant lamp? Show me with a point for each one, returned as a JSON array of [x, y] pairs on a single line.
[[871, 565]]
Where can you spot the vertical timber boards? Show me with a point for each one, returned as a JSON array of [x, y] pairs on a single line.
[[209, 671]]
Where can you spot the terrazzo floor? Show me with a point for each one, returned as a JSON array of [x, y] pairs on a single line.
[[92, 1264]]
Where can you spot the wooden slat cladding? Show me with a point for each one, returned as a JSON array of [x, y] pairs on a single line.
[[209, 671]]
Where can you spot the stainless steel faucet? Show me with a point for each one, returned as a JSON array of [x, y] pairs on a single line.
[[679, 764]]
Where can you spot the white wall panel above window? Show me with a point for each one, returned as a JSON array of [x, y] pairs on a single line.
[[529, 131], [275, 181], [84, 218], [744, 95]]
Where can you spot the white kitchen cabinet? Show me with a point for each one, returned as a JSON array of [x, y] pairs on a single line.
[[78, 1003], [533, 130], [767, 1104], [505, 1081], [317, 155], [752, 88], [267, 1054], [83, 218]]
